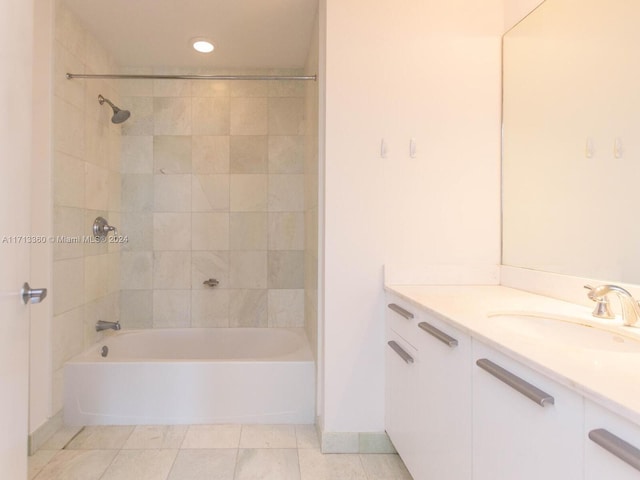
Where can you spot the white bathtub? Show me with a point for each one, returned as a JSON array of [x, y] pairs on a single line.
[[193, 376]]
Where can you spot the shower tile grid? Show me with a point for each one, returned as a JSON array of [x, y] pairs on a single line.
[[199, 452]]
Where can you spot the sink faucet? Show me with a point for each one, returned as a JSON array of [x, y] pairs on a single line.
[[630, 307], [102, 325]]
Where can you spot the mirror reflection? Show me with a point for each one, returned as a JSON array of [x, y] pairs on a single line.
[[571, 149]]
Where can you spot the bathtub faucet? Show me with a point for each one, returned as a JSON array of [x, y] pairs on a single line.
[[102, 325]]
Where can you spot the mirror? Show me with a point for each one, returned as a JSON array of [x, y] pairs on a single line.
[[571, 140]]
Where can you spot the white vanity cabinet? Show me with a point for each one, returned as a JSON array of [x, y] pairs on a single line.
[[612, 445], [445, 401], [525, 426]]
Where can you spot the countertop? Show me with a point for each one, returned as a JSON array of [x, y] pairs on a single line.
[[610, 378]]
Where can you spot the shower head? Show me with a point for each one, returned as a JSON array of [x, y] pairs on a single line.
[[119, 116]]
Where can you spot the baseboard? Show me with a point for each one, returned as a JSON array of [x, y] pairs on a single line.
[[44, 432]]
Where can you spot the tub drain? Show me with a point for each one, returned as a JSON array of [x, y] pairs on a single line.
[[105, 351]]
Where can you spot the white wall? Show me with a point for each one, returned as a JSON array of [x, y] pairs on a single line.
[[428, 70]]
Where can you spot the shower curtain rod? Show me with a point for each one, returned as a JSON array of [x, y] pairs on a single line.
[[191, 77]]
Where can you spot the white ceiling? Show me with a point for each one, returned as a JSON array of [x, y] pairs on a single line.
[[246, 33]]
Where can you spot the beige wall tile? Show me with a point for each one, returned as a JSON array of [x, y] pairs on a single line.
[[115, 191], [68, 284], [69, 31], [170, 88], [245, 89], [248, 193], [135, 87], [209, 264], [210, 116], [248, 308], [248, 269], [113, 272], [171, 308], [210, 308], [172, 231], [248, 231], [286, 308], [65, 61], [138, 227], [66, 336], [141, 120], [171, 116], [248, 154], [96, 187], [68, 181], [136, 308], [137, 193], [286, 269], [209, 193], [286, 193], [286, 154], [68, 222], [210, 154], [210, 231], [137, 154], [210, 88], [68, 136], [172, 193], [136, 270], [286, 231], [287, 88], [171, 270], [172, 154], [286, 116], [248, 116]]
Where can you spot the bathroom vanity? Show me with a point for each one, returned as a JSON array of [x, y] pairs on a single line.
[[489, 382]]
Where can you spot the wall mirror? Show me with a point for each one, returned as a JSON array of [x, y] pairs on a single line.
[[571, 140]]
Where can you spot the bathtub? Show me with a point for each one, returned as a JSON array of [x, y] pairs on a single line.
[[192, 376]]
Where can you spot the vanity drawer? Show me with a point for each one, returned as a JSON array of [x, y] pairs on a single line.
[[402, 318]]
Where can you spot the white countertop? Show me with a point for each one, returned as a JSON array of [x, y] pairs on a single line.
[[610, 378]]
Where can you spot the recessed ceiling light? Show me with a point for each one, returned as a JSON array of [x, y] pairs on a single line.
[[201, 45]]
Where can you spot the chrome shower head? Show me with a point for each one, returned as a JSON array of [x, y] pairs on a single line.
[[119, 116]]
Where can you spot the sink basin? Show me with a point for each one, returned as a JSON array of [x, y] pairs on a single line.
[[566, 332]]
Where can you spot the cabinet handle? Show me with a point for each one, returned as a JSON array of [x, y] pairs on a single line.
[[400, 311], [439, 334], [530, 391], [616, 446], [400, 351]]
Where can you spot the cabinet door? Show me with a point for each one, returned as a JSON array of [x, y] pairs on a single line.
[[401, 402], [445, 401], [609, 437], [515, 438]]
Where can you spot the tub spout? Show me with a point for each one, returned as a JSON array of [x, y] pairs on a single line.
[[102, 325]]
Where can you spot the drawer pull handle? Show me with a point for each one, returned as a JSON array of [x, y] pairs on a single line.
[[525, 388], [400, 311], [400, 351], [439, 334], [616, 446]]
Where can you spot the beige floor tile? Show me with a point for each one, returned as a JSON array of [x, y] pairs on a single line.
[[268, 436], [77, 465], [156, 436], [212, 436], [141, 465], [316, 466], [101, 438], [38, 460], [59, 439], [204, 464], [307, 436], [267, 464], [384, 467]]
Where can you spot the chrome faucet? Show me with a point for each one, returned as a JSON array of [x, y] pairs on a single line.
[[102, 325], [630, 307]]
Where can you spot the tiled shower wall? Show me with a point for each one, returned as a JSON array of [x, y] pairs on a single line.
[[213, 187], [86, 184]]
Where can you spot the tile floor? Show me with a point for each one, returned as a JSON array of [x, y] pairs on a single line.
[[203, 452]]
